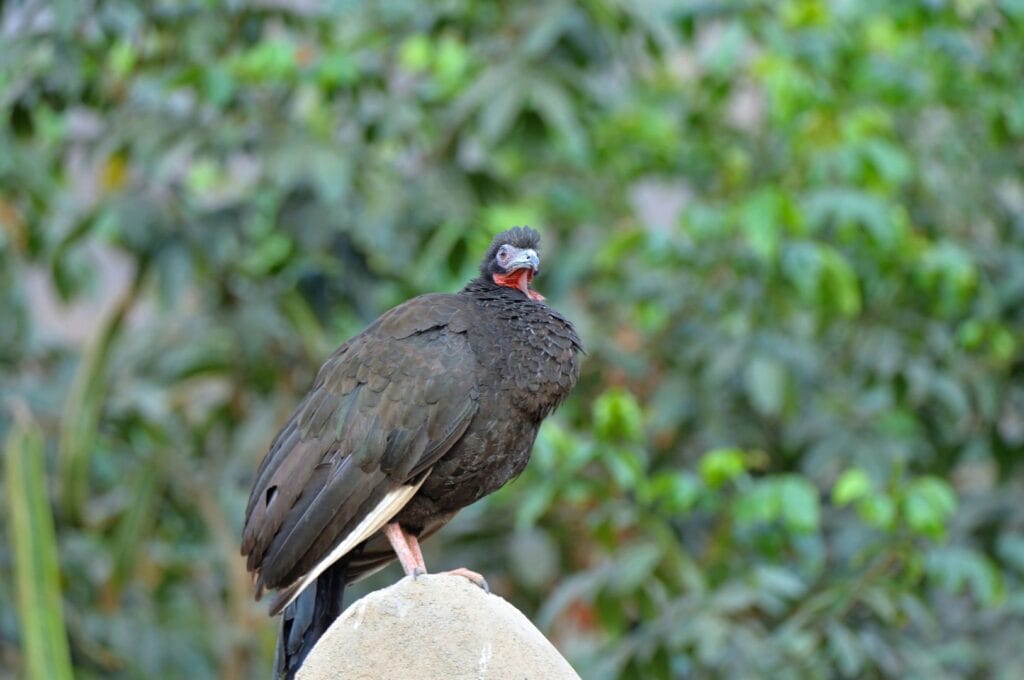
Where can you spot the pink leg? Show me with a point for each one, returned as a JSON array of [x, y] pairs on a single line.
[[407, 548], [414, 548]]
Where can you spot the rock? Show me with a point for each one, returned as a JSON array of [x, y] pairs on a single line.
[[434, 627]]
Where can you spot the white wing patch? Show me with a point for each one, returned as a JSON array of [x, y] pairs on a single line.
[[387, 508]]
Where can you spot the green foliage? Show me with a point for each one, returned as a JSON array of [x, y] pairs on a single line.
[[34, 549], [928, 505], [790, 234], [721, 465], [852, 485]]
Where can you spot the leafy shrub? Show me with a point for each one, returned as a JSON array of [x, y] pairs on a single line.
[[790, 234]]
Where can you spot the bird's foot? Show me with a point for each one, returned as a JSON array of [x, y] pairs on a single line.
[[417, 572], [472, 576]]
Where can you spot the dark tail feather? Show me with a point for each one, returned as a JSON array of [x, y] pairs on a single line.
[[306, 619]]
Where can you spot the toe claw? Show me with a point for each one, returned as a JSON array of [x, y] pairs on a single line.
[[472, 576]]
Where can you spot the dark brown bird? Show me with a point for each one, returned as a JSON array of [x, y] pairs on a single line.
[[435, 405]]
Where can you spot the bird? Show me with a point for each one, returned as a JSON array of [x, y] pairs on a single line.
[[434, 405]]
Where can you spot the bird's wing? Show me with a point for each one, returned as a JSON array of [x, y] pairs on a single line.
[[384, 408]]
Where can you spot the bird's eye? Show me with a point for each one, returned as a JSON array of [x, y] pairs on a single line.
[[503, 254]]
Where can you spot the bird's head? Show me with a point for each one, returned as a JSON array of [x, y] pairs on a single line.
[[512, 260]]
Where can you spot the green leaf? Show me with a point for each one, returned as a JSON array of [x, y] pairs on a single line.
[[841, 288], [780, 581], [635, 566], [555, 106], [877, 510], [760, 504], [617, 416], [801, 507], [830, 208], [497, 115], [218, 84], [846, 649], [824, 276], [851, 485], [451, 62], [535, 504], [1011, 550], [338, 69], [957, 568], [761, 219], [136, 523], [415, 53], [722, 57], [544, 32], [675, 492], [268, 255], [928, 505], [765, 382], [625, 466], [202, 176], [266, 61], [950, 274], [722, 465], [83, 404], [34, 549], [121, 59], [891, 162]]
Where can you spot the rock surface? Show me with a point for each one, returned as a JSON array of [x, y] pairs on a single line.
[[434, 627]]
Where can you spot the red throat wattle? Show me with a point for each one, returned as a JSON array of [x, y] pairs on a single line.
[[519, 279]]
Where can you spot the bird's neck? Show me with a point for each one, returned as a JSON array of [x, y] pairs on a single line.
[[483, 287]]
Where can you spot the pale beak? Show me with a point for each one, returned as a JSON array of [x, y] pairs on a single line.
[[524, 259]]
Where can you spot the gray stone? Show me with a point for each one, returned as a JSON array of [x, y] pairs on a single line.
[[434, 626]]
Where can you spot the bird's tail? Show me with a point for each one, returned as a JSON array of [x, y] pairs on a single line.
[[308, 617]]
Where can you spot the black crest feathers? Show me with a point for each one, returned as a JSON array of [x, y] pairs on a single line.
[[520, 237]]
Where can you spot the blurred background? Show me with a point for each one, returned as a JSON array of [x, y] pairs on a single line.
[[791, 234]]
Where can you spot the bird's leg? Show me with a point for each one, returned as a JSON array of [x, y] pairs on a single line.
[[407, 548], [417, 554], [471, 575]]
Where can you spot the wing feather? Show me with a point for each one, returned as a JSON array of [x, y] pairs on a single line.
[[374, 520], [386, 406]]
